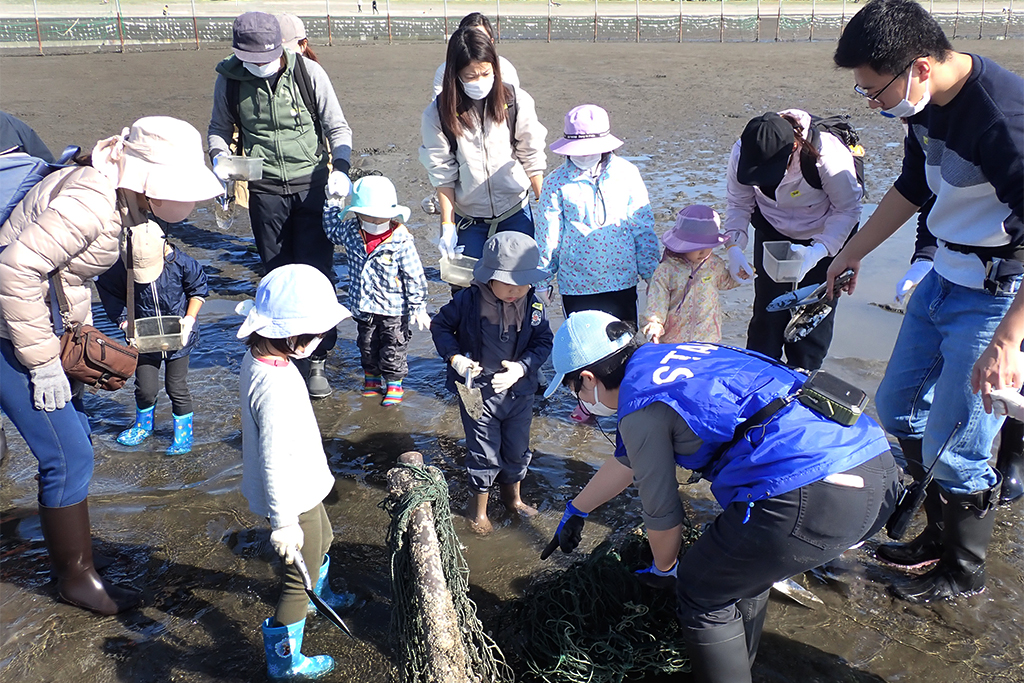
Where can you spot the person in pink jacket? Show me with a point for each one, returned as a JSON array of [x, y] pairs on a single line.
[[71, 223]]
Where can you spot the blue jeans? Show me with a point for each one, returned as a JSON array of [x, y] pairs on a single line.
[[473, 232], [926, 390], [60, 440]]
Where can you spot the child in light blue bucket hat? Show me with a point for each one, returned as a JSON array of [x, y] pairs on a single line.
[[387, 287]]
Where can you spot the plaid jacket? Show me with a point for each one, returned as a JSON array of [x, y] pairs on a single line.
[[389, 281]]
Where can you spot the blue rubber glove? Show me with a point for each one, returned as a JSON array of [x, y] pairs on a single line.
[[655, 578], [569, 532]]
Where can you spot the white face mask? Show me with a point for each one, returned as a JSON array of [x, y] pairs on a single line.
[[478, 89], [308, 350], [263, 70], [375, 228], [586, 162], [904, 109], [598, 408]]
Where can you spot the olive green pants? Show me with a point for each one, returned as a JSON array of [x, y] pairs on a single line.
[[317, 537]]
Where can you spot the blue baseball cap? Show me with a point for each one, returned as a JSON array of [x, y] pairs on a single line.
[[582, 341]]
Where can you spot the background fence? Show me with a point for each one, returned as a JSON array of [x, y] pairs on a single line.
[[730, 24]]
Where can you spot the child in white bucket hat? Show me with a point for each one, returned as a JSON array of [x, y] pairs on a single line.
[[387, 287], [682, 301], [168, 282], [285, 475]]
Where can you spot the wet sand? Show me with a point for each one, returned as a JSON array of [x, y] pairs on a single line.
[[181, 526]]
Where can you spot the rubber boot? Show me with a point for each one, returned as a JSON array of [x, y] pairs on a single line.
[[476, 510], [1010, 461], [718, 654], [393, 394], [182, 435], [316, 382], [68, 540], [967, 521], [373, 385], [926, 549], [337, 601], [3, 446], [285, 661], [510, 498], [141, 430], [753, 610]]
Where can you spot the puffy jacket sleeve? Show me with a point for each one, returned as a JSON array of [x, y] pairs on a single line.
[[72, 220], [530, 134], [436, 154]]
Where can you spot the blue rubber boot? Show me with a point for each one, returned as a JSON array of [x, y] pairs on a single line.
[[141, 430], [337, 601], [285, 661], [182, 435]]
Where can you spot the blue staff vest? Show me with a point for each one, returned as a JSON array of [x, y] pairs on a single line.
[[714, 388]]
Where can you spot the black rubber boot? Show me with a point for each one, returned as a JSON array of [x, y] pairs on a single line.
[[1010, 461], [718, 654], [926, 549], [66, 533], [316, 382], [754, 611], [967, 521]]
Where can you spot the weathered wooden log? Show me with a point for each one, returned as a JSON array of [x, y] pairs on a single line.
[[446, 653]]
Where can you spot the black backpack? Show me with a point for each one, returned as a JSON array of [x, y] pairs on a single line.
[[840, 127], [511, 111], [301, 77]]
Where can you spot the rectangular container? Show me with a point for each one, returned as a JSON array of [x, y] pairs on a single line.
[[239, 168], [458, 271], [779, 265], [158, 333]]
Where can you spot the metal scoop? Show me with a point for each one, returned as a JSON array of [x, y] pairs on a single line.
[[472, 399], [321, 606]]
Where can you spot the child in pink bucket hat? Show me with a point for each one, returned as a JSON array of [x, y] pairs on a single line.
[[682, 301]]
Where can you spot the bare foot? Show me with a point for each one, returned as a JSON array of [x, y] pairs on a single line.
[[524, 510], [481, 526]]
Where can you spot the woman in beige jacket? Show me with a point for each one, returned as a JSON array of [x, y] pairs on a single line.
[[71, 223]]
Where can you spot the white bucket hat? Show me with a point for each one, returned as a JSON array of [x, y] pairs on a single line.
[[160, 157], [292, 300]]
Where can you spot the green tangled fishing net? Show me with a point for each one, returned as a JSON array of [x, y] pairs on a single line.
[[594, 622]]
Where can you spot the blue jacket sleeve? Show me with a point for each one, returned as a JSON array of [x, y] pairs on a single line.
[[444, 328], [113, 290], [193, 277]]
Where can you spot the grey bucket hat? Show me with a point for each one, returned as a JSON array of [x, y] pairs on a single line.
[[510, 257]]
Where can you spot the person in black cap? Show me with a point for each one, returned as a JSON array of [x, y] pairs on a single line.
[[284, 107], [767, 188]]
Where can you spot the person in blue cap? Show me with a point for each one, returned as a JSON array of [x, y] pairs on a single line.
[[796, 488]]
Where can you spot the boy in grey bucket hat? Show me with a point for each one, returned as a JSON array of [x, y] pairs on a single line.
[[496, 332]]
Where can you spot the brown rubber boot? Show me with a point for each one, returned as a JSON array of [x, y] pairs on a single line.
[[476, 510], [66, 533], [510, 497]]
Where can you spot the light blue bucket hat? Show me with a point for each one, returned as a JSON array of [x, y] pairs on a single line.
[[292, 300], [375, 195], [582, 341]]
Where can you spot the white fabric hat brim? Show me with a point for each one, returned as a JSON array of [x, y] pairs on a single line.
[[398, 211], [586, 146], [292, 327], [192, 182]]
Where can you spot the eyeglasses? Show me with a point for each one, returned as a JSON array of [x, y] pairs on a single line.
[[864, 93]]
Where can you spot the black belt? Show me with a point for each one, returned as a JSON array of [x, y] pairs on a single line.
[[986, 254]]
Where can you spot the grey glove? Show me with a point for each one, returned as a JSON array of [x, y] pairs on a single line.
[[51, 389]]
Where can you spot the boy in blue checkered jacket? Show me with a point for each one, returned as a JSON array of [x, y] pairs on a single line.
[[386, 283]]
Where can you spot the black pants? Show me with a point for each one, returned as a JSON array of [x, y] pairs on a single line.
[[289, 228], [147, 382], [383, 342], [621, 304], [498, 444], [766, 330], [736, 560]]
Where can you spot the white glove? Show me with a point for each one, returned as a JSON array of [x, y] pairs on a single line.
[[913, 276], [809, 255], [504, 380], [219, 170], [739, 267], [462, 365], [187, 323], [51, 389], [654, 331], [338, 184], [422, 320], [544, 295], [448, 244], [1007, 402], [287, 541]]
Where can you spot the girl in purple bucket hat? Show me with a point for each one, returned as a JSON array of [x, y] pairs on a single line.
[[682, 301]]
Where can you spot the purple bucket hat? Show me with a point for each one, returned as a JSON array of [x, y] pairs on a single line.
[[696, 228], [587, 131]]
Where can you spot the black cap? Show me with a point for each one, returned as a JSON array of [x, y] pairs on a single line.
[[256, 37], [765, 148]]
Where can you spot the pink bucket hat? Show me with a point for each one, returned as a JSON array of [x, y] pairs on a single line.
[[587, 131], [696, 228]]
